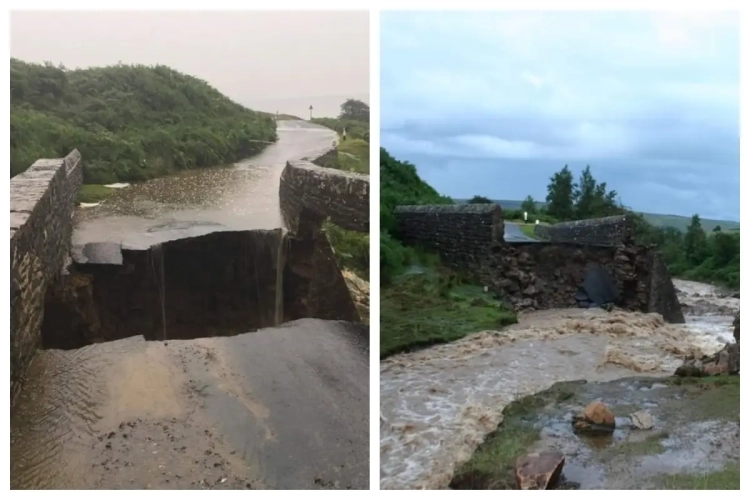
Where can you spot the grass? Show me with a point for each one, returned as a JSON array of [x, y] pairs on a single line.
[[93, 193], [491, 465], [727, 478], [437, 306], [354, 155], [527, 229], [712, 398]]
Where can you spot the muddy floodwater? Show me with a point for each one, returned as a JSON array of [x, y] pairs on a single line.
[[438, 404], [195, 202], [278, 408]]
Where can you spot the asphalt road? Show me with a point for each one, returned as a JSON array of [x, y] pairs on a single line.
[[280, 408], [513, 234]]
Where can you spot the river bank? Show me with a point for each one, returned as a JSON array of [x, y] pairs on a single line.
[[439, 404]]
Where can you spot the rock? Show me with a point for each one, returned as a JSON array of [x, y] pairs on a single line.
[[595, 419], [737, 327], [724, 362], [529, 290], [539, 471], [642, 420]]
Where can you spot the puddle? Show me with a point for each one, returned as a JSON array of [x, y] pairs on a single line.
[[691, 435], [438, 404]]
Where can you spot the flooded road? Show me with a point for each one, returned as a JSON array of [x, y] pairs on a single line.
[[439, 403], [195, 202], [278, 408]]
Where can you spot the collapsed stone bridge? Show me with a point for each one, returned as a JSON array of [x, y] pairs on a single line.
[[222, 283], [547, 273]]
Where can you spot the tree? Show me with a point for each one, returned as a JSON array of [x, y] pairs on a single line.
[[696, 245], [529, 205], [717, 229], [355, 110], [479, 200], [585, 195], [560, 195], [724, 248]]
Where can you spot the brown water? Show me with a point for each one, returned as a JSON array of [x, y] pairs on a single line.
[[438, 404], [237, 197], [278, 408]]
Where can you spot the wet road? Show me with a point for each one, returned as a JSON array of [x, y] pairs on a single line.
[[195, 202], [278, 408], [513, 234]]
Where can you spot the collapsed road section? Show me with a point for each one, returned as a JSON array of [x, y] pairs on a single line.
[[233, 359]]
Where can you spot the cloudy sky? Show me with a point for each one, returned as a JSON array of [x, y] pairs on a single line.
[[495, 103], [270, 61]]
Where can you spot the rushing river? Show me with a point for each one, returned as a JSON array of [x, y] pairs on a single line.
[[438, 404], [238, 197]]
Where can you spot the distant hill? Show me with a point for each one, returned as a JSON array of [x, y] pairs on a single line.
[[130, 123], [659, 220]]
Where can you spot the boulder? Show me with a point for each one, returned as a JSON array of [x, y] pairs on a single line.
[[595, 419], [724, 362], [539, 471], [642, 420], [737, 327]]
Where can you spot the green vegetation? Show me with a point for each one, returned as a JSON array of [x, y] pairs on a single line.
[[694, 253], [352, 248], [491, 465], [93, 193], [727, 478], [399, 185], [434, 306], [130, 123], [428, 304], [354, 117]]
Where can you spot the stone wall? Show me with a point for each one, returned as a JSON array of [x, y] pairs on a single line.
[[42, 202], [542, 275], [308, 194], [222, 283], [461, 234], [311, 193], [546, 276], [605, 231]]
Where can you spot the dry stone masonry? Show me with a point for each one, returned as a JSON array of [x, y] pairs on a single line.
[[42, 202], [543, 274], [463, 235], [311, 193], [605, 231]]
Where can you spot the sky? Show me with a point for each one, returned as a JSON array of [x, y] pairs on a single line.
[[493, 104], [270, 61]]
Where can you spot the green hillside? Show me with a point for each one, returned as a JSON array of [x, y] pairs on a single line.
[[131, 123], [432, 304], [658, 220]]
